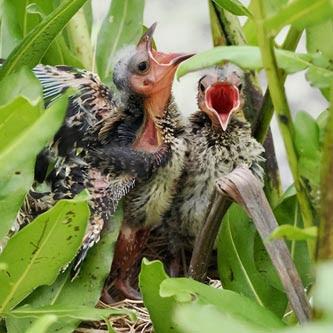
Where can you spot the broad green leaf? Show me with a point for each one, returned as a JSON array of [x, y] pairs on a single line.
[[42, 324], [249, 57], [233, 6], [294, 233], [244, 265], [23, 83], [122, 26], [66, 311], [197, 318], [36, 43], [186, 290], [301, 14], [35, 255], [317, 37], [306, 134], [160, 308], [323, 291], [85, 290], [22, 129]]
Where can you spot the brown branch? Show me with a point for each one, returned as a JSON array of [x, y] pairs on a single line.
[[246, 190], [204, 242]]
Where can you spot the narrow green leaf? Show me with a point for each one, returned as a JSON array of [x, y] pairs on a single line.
[[244, 265], [122, 26], [300, 13], [36, 43], [35, 255], [234, 6], [65, 311], [294, 233], [249, 57]]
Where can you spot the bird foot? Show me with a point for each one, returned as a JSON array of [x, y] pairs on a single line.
[[128, 291]]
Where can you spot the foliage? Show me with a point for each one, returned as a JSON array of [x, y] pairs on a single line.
[[37, 293]]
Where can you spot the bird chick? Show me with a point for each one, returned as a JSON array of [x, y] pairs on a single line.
[[218, 139], [160, 132]]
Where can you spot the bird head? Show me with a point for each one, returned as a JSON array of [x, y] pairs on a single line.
[[220, 94], [145, 71]]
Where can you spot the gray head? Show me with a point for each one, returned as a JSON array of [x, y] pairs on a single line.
[[144, 71]]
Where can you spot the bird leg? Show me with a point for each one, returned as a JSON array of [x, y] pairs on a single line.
[[129, 247]]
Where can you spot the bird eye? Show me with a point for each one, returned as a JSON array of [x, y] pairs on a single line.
[[143, 66]]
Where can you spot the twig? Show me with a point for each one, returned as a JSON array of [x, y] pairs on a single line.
[[204, 242], [245, 189]]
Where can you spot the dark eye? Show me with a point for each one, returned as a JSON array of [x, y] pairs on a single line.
[[142, 66]]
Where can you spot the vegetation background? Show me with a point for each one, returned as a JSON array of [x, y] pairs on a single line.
[[37, 296]]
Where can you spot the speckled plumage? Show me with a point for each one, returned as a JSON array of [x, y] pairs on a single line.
[[211, 153]]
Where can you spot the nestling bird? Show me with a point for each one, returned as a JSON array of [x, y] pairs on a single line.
[[218, 139], [160, 133]]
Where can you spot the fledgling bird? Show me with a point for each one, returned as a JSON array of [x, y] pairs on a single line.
[[218, 139], [161, 133]]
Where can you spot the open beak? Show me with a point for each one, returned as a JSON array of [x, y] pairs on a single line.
[[222, 99], [163, 64]]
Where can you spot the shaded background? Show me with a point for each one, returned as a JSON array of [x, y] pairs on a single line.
[[183, 26]]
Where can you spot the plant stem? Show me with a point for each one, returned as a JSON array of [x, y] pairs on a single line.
[[276, 89], [265, 115], [325, 243], [79, 37]]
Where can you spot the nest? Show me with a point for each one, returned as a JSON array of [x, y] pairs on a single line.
[[157, 248]]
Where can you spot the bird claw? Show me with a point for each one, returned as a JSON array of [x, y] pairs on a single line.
[[128, 291]]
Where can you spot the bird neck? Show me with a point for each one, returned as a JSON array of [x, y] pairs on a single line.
[[155, 107]]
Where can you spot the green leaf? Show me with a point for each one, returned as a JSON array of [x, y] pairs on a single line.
[[122, 26], [35, 255], [36, 43], [294, 233], [197, 318], [23, 83], [42, 324], [234, 6], [306, 134], [85, 290], [249, 57], [323, 291], [160, 308], [187, 290], [301, 14], [22, 129], [63, 311], [244, 265], [317, 37], [322, 122]]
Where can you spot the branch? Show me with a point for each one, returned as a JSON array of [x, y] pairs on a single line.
[[275, 84], [245, 189]]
